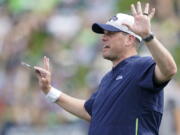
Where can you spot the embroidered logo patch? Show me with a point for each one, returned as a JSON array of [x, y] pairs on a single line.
[[119, 77], [114, 18]]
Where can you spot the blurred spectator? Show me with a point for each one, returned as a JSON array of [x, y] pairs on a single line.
[[171, 117]]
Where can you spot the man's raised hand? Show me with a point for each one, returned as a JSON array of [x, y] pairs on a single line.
[[142, 18], [44, 75]]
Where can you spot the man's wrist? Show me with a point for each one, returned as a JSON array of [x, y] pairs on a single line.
[[46, 89], [148, 37], [53, 94]]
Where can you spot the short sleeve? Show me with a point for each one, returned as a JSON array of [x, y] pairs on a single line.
[[146, 76], [89, 103]]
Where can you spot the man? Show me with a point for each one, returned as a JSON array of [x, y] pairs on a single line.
[[129, 100]]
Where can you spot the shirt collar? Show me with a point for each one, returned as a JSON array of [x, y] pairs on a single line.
[[122, 63]]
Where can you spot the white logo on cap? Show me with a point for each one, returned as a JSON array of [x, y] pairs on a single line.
[[118, 20], [114, 18]]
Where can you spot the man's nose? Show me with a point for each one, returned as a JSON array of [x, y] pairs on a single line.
[[104, 38]]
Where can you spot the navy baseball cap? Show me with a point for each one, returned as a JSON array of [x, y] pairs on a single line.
[[115, 24]]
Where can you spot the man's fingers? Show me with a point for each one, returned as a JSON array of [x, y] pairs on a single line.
[[139, 9], [151, 15], [133, 10], [44, 80], [146, 9], [41, 71], [43, 74], [48, 68], [46, 63]]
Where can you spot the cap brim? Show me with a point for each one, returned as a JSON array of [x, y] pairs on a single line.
[[99, 28]]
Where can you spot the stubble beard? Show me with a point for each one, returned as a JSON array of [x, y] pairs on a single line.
[[111, 58]]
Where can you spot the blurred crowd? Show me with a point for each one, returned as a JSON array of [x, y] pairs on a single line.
[[61, 30]]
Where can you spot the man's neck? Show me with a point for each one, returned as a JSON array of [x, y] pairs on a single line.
[[115, 62]]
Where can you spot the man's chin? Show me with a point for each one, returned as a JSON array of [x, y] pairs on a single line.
[[109, 58]]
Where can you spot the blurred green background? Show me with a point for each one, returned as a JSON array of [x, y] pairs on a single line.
[[61, 30]]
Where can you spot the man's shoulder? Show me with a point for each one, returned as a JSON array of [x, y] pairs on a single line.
[[143, 60], [141, 63]]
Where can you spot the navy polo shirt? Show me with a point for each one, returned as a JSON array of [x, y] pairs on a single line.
[[128, 101]]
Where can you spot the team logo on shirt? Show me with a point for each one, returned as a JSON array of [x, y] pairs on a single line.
[[119, 77]]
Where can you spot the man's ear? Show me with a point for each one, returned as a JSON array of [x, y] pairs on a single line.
[[130, 40]]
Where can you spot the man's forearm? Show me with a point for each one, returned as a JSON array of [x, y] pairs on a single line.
[[73, 105], [165, 62], [70, 104]]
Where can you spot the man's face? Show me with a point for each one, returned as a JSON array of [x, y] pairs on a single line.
[[113, 45]]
